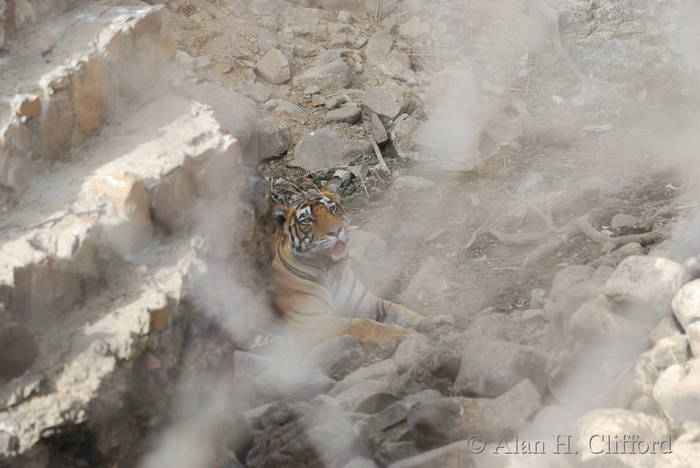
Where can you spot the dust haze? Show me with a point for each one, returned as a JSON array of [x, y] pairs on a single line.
[[529, 124]]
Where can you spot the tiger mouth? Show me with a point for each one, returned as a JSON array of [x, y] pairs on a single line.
[[338, 252]]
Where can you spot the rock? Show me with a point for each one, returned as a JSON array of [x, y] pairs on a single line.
[[429, 281], [627, 250], [684, 455], [313, 89], [345, 17], [274, 67], [267, 39], [376, 402], [275, 138], [393, 451], [492, 327], [328, 72], [551, 420], [26, 105], [632, 387], [367, 245], [130, 228], [622, 220], [289, 382], [666, 327], [337, 40], [283, 438], [382, 370], [260, 92], [687, 244], [604, 378], [57, 119], [336, 101], [667, 352], [387, 101], [644, 280], [15, 146], [521, 401], [349, 114], [412, 183], [402, 136], [676, 392], [596, 427], [247, 367], [692, 266], [686, 304], [414, 348], [456, 418], [504, 129], [693, 333], [567, 277], [90, 101], [491, 368], [201, 62], [375, 126], [389, 416], [421, 397], [354, 390], [317, 100], [234, 112], [594, 320], [360, 462], [304, 48], [333, 437], [455, 454], [391, 62], [325, 148], [387, 6], [19, 350], [398, 66], [417, 379], [414, 28], [336, 357], [173, 199], [283, 106], [378, 47], [53, 269]]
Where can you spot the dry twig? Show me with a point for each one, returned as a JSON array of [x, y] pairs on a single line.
[[378, 153]]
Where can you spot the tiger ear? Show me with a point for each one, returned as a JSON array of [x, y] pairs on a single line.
[[280, 213], [332, 185]]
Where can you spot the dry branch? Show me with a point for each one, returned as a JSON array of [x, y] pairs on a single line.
[[378, 153]]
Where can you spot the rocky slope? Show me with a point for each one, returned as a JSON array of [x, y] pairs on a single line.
[[524, 167]]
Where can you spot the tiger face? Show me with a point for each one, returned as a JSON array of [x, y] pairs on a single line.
[[315, 226]]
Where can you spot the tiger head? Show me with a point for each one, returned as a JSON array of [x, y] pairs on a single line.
[[315, 226]]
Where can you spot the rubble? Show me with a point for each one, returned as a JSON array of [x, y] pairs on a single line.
[[134, 248]]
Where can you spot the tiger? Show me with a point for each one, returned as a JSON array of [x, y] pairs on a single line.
[[314, 287]]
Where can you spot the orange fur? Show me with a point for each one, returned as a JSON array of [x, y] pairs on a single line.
[[318, 296]]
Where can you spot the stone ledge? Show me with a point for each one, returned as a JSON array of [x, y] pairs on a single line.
[[105, 56]]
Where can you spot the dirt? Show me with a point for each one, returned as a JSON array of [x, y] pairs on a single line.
[[589, 140], [489, 273]]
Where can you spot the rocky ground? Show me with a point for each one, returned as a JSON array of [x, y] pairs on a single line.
[[525, 167]]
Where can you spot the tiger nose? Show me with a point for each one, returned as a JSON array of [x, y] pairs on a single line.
[[334, 231]]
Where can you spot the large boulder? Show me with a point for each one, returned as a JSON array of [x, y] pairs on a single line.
[[646, 281], [602, 436]]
